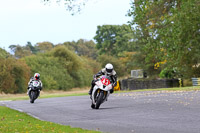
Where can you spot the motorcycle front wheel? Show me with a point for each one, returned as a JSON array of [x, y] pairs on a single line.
[[99, 100], [32, 96]]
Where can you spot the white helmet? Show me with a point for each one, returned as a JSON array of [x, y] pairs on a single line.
[[109, 68], [37, 76]]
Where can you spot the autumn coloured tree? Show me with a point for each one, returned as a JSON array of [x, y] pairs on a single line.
[[14, 75]]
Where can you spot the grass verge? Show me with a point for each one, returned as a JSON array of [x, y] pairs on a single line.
[[12, 121], [195, 88]]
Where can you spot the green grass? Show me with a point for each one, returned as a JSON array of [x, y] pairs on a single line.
[[12, 121]]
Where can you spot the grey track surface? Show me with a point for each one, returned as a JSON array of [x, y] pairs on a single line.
[[134, 112]]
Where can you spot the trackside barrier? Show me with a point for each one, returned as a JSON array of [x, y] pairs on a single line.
[[145, 83], [196, 81]]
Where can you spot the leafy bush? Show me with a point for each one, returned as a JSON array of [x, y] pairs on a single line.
[[60, 69], [3, 53], [14, 75], [119, 67], [53, 74]]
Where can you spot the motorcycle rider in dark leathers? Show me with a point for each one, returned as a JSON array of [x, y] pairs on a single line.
[[35, 78], [108, 71]]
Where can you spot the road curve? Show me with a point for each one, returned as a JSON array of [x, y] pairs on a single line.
[[134, 112]]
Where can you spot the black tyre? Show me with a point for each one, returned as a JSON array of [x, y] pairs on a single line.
[[99, 100], [93, 106], [32, 96], [31, 101], [37, 93]]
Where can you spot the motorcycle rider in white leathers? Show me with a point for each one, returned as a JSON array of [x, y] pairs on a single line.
[[35, 78], [108, 71]]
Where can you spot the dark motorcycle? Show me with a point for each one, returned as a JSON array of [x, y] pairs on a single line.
[[34, 91]]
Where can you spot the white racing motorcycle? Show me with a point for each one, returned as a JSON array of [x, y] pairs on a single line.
[[101, 91], [34, 91]]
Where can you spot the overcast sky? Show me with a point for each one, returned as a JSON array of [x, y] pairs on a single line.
[[31, 20]]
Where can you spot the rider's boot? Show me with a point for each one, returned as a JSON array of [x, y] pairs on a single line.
[[112, 90]]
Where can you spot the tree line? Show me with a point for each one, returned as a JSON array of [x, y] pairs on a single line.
[[62, 66]]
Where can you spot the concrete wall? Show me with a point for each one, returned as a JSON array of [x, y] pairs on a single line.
[[134, 84]]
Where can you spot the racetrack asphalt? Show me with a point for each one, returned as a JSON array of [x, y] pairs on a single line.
[[133, 112]]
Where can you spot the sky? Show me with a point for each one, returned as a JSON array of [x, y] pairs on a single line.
[[31, 20]]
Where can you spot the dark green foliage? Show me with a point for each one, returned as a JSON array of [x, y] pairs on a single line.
[[119, 67], [60, 69], [20, 51], [168, 30], [167, 73], [83, 48], [53, 74], [91, 65], [68, 59], [33, 49], [43, 47], [4, 53], [29, 49], [114, 39]]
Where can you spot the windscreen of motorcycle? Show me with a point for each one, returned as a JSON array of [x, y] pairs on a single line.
[[36, 83]]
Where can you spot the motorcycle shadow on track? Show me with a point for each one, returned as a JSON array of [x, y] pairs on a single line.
[[108, 108]]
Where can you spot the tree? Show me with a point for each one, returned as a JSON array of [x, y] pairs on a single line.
[[119, 67], [33, 49], [53, 75], [44, 46], [60, 69], [68, 59], [14, 75], [114, 39], [29, 49], [20, 51], [4, 53], [73, 6], [181, 39], [168, 30], [83, 48]]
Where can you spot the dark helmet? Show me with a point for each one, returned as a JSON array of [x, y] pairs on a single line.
[[37, 76]]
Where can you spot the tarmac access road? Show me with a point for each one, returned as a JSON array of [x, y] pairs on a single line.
[[133, 112]]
